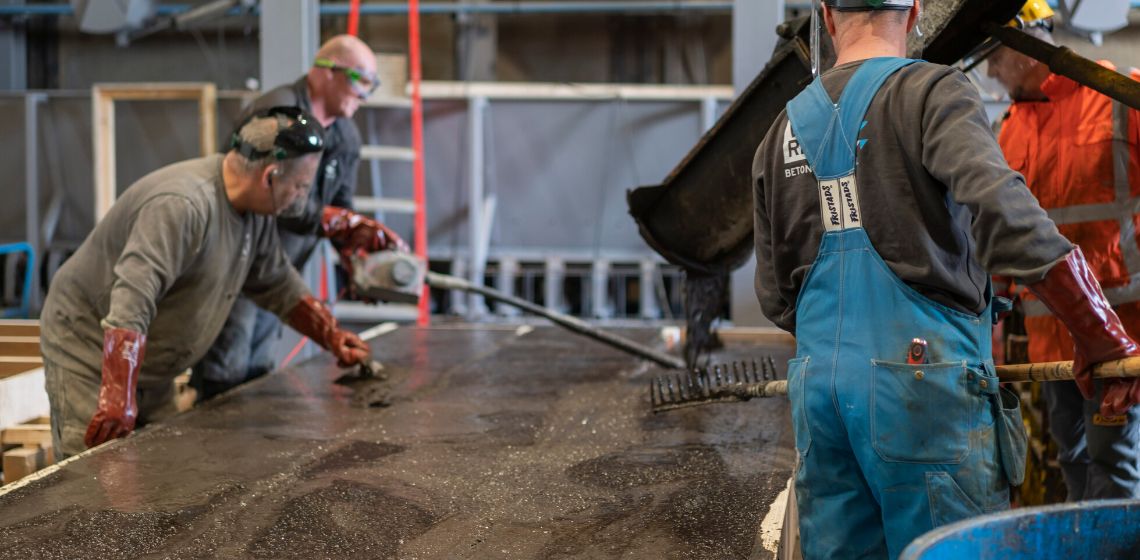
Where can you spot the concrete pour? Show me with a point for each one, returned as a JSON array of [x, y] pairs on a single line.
[[496, 446]]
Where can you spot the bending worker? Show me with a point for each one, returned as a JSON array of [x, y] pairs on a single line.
[[882, 205], [1078, 152], [342, 76], [148, 291]]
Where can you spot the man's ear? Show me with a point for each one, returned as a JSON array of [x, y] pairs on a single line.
[[271, 172], [912, 17], [828, 21]]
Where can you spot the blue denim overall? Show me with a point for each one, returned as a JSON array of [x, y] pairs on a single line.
[[887, 450]]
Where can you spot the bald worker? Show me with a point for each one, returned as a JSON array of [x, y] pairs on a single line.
[[341, 78]]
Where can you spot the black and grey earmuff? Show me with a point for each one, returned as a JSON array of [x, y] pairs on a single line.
[[304, 135]]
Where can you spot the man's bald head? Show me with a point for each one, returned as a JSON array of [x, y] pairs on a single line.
[[342, 75], [349, 51]]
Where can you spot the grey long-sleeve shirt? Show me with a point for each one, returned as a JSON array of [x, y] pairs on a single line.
[[336, 175], [167, 260], [939, 202]]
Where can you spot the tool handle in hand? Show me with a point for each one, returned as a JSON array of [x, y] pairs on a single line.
[[1063, 371]]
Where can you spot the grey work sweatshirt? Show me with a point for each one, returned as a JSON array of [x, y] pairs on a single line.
[[167, 260], [939, 203]]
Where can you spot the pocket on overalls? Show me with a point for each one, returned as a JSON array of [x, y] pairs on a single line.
[[921, 413], [797, 373], [1013, 441], [948, 502]]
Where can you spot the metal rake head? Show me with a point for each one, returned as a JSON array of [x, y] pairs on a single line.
[[734, 381]]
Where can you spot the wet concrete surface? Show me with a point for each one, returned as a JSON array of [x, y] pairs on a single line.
[[495, 446]]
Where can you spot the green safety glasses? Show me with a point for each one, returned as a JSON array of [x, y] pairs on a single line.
[[362, 83]]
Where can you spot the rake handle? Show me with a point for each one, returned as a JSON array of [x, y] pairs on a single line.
[[764, 389], [1063, 371], [1043, 371]]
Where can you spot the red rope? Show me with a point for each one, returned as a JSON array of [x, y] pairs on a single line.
[[353, 17], [296, 349], [418, 146], [323, 283]]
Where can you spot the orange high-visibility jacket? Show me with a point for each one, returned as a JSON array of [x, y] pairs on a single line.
[[1078, 153]]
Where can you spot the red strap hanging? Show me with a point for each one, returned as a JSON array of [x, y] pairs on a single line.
[[353, 17], [418, 146]]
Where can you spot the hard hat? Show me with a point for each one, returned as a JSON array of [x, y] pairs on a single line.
[[1035, 13], [867, 5]]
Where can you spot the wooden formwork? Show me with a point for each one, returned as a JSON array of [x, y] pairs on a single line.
[[103, 97], [28, 448], [25, 432], [19, 347]]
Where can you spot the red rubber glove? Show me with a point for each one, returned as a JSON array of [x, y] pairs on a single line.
[[1119, 396], [356, 234], [1072, 293], [118, 407], [312, 319]]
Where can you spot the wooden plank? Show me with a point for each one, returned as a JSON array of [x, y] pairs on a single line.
[[27, 435], [103, 140], [19, 346], [154, 90], [184, 394], [207, 120], [49, 454], [19, 328], [16, 365], [21, 462]]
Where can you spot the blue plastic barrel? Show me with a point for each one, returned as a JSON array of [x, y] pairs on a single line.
[[1102, 530]]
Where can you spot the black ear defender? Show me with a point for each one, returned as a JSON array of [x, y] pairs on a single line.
[[304, 135]]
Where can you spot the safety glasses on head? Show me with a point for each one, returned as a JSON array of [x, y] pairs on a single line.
[[298, 134], [363, 83]]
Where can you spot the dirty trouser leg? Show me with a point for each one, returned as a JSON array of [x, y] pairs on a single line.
[[1114, 450], [266, 332], [1067, 421], [226, 363], [73, 398], [927, 443], [839, 517]]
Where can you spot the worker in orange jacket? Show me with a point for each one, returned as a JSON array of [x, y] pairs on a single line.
[[1078, 151]]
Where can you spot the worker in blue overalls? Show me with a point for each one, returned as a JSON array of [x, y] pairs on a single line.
[[883, 204]]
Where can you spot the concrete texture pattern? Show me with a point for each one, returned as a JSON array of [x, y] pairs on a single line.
[[496, 445]]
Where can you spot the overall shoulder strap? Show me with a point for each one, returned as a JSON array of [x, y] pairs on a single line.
[[827, 131]]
